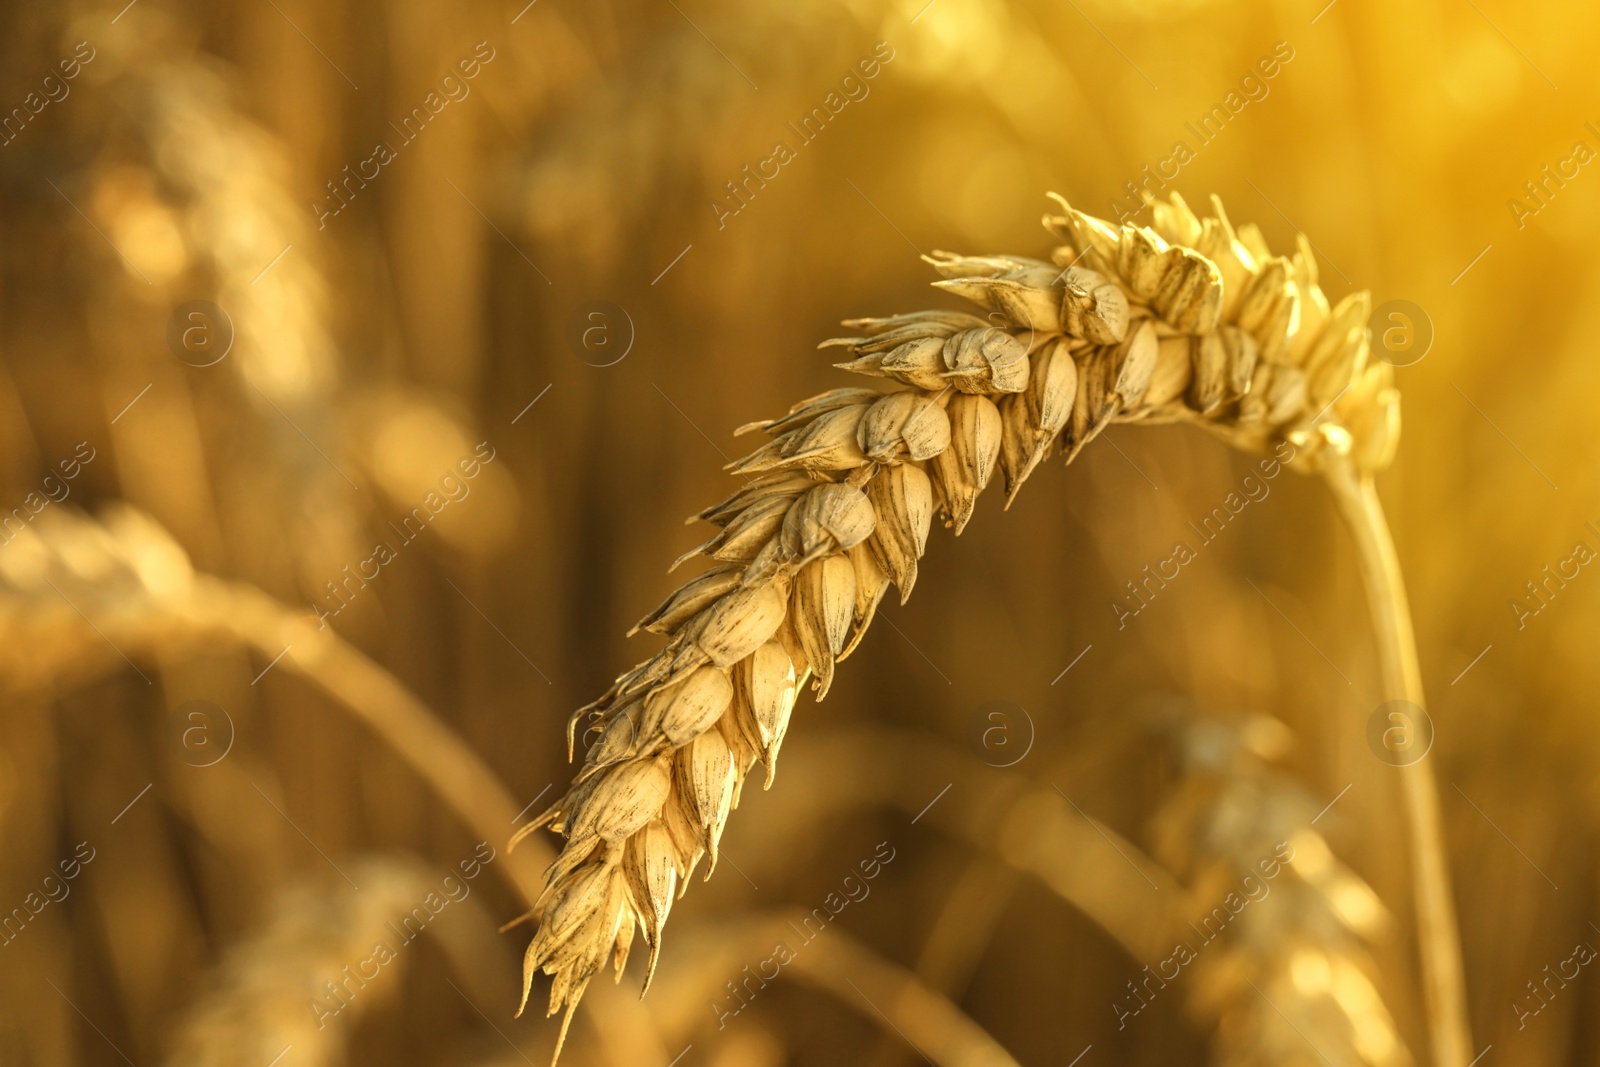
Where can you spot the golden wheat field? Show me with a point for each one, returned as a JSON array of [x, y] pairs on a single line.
[[367, 698]]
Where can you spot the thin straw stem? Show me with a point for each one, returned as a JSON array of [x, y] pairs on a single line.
[[1444, 985], [444, 762]]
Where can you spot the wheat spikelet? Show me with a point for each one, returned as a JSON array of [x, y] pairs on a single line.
[[1289, 980], [1186, 320]]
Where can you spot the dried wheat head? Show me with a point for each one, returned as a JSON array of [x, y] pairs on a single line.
[[1188, 319]]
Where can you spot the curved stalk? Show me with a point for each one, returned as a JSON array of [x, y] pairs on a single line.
[[1444, 985], [455, 773], [905, 1009], [430, 748]]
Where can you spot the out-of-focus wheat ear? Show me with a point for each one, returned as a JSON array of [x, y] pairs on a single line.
[[258, 994]]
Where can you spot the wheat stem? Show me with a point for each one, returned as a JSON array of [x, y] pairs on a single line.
[[1444, 986], [433, 751], [905, 1009], [922, 1017], [455, 773]]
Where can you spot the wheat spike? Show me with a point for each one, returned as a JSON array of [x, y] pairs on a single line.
[[1185, 320]]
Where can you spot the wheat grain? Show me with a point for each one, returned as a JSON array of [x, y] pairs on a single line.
[[1188, 320]]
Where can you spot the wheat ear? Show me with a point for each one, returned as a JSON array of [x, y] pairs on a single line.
[[1189, 319], [277, 987]]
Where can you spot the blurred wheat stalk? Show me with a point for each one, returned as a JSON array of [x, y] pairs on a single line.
[[77, 594], [1188, 320]]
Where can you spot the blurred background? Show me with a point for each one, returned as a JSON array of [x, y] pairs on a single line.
[[287, 281]]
